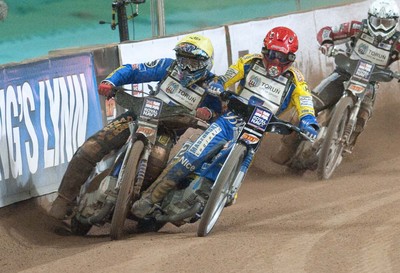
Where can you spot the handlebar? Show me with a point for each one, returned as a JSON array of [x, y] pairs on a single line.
[[168, 113], [379, 74], [337, 51], [276, 127]]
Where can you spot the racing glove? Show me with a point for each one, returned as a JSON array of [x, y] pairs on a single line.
[[327, 48], [204, 113], [309, 125], [215, 88], [106, 89]]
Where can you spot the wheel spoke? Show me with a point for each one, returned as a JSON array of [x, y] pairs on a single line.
[[221, 190]]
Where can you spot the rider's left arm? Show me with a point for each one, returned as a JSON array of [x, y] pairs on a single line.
[[301, 97]]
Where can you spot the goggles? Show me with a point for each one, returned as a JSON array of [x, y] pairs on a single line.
[[188, 61], [281, 57], [382, 23]]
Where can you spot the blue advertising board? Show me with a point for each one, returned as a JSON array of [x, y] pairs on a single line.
[[47, 110]]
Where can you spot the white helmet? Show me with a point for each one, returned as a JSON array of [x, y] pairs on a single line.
[[383, 18]]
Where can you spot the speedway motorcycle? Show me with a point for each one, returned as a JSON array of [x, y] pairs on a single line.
[[203, 200], [337, 136], [118, 180], [257, 121]]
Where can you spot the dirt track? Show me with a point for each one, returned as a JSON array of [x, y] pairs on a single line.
[[280, 223]]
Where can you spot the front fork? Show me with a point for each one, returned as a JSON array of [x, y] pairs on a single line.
[[141, 171], [142, 165], [241, 175], [351, 124]]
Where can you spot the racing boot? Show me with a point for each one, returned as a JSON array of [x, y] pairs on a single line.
[[152, 196], [287, 149], [77, 172], [61, 208]]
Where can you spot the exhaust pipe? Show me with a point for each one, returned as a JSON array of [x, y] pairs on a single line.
[[180, 216]]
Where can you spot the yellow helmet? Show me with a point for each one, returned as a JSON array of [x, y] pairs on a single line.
[[202, 43], [194, 58]]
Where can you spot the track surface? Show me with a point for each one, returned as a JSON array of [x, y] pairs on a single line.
[[281, 223]]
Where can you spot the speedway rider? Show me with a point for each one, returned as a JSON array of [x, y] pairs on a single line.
[[374, 39], [182, 82], [264, 79]]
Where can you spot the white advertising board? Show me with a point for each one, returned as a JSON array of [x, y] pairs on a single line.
[[248, 37]]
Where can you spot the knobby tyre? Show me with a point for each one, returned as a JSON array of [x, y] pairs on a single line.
[[332, 147], [219, 194], [125, 192]]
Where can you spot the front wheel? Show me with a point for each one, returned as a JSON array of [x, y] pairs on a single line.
[[221, 190], [124, 198], [333, 144]]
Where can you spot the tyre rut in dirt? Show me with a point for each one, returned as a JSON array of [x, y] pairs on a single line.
[[125, 192], [332, 146], [218, 197]]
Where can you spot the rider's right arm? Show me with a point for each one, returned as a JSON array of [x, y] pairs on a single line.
[[237, 72], [339, 34], [139, 73]]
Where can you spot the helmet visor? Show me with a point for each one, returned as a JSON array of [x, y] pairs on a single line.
[[271, 55], [190, 62], [382, 23]]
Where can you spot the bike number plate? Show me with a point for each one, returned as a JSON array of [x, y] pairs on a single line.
[[360, 79], [260, 118], [151, 108], [256, 125], [364, 70]]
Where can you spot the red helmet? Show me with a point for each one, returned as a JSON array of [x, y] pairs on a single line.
[[280, 46]]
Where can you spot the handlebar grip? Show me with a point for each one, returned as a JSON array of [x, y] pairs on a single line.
[[337, 51], [225, 95]]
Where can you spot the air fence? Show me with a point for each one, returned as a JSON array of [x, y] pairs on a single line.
[[49, 106]]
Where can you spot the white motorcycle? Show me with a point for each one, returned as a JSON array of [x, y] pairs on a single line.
[[337, 136]]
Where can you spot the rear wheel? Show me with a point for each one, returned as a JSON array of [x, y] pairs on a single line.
[[333, 144], [221, 190], [124, 199]]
